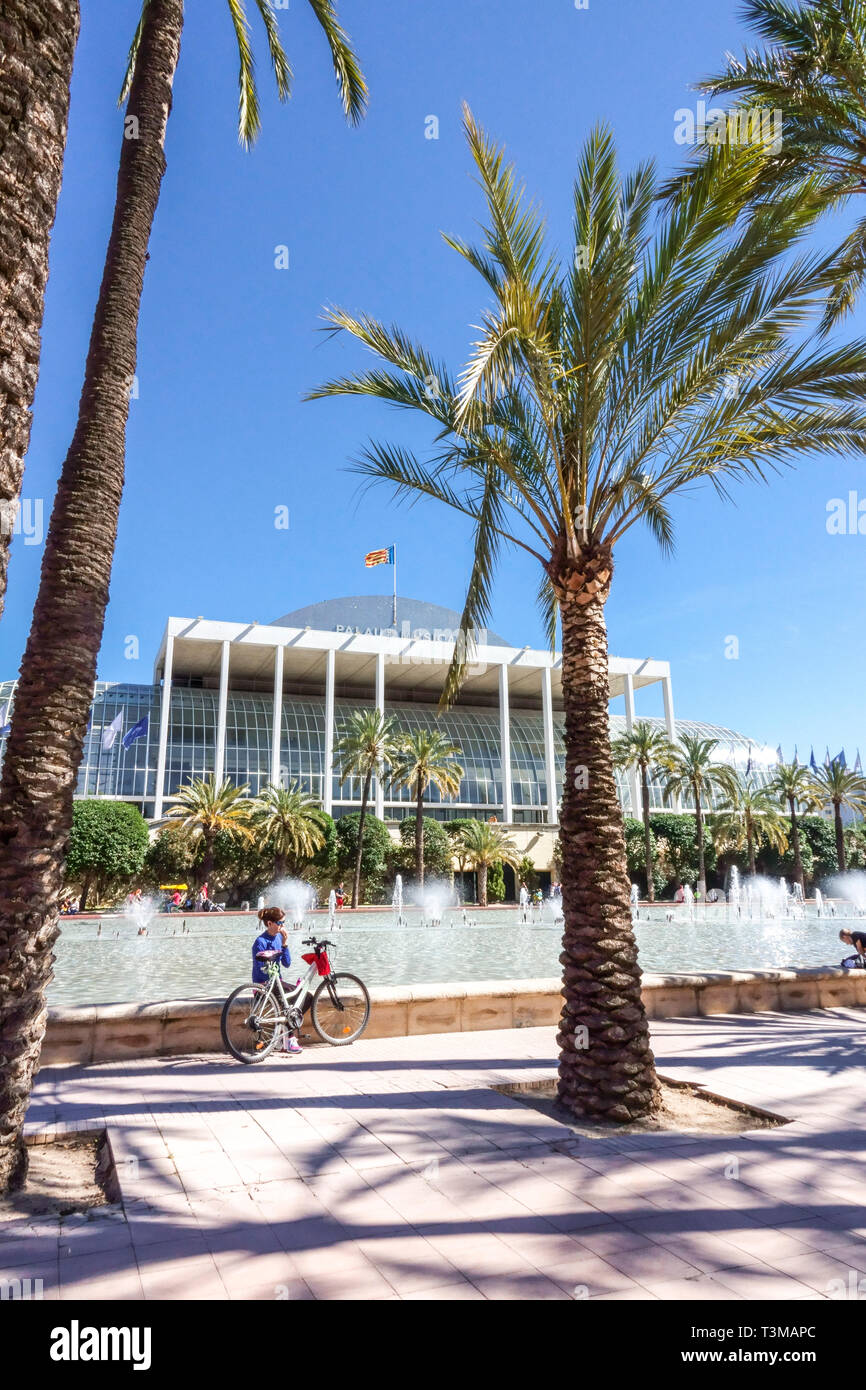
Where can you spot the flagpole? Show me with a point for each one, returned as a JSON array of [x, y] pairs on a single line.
[[394, 548]]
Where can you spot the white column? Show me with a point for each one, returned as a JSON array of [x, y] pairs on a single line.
[[549, 748], [220, 750], [328, 768], [634, 788], [670, 723], [164, 713], [505, 745], [277, 727], [380, 705]]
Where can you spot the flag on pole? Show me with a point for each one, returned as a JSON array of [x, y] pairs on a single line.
[[796, 759], [858, 766], [109, 735], [138, 730], [840, 759], [749, 763], [827, 756], [812, 763], [380, 557], [779, 755]]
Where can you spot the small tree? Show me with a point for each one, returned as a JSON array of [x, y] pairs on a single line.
[[496, 883], [107, 844], [438, 848], [376, 849]]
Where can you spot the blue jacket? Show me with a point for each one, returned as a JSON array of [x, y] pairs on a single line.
[[265, 942]]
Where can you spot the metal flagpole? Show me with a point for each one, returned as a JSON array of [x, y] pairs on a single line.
[[394, 548]]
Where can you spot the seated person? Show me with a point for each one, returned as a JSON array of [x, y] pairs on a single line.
[[857, 939], [272, 944]]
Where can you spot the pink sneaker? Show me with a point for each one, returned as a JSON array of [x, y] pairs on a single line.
[[290, 1043]]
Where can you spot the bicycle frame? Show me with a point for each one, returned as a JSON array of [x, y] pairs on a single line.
[[294, 999]]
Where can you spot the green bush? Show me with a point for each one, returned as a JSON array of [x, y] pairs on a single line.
[[438, 849], [107, 846], [678, 854], [821, 836], [375, 854], [635, 854], [496, 882]]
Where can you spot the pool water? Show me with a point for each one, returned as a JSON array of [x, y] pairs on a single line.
[[213, 954]]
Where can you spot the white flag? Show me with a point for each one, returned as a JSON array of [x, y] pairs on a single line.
[[110, 734]]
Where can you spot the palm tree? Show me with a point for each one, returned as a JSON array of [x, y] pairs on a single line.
[[597, 391], [367, 745], [38, 39], [747, 818], [484, 844], [812, 72], [693, 773], [791, 784], [836, 786], [43, 752], [205, 808], [291, 823], [426, 759], [646, 750]]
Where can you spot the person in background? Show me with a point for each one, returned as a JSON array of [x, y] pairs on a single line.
[[272, 944]]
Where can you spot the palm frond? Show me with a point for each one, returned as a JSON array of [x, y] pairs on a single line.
[[350, 79]]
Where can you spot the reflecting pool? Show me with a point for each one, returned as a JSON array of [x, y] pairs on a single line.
[[206, 956]]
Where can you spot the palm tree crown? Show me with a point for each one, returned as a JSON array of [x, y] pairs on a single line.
[[350, 79], [205, 808], [747, 818], [694, 773], [812, 71], [291, 822], [839, 787], [483, 844]]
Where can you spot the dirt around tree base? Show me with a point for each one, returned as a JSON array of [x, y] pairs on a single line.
[[685, 1109], [68, 1175]]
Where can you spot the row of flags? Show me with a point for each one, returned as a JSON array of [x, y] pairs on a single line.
[[839, 761], [113, 731]]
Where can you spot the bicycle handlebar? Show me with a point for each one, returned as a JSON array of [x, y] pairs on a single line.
[[317, 945]]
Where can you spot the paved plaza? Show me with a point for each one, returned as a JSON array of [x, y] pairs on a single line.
[[393, 1170]]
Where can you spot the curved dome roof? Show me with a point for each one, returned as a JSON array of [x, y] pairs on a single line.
[[375, 613]]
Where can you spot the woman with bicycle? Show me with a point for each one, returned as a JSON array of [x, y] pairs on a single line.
[[271, 945]]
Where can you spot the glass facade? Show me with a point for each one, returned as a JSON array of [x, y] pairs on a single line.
[[130, 773]]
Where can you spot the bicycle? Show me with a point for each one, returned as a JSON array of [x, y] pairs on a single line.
[[255, 1016]]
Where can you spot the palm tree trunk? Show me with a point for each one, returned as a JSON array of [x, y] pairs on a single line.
[[647, 836], [419, 836], [750, 841], [207, 862], [365, 796], [57, 674], [606, 1066], [37, 39], [840, 839], [795, 840], [482, 885], [699, 837]]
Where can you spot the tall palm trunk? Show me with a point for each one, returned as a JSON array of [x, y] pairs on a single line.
[[795, 841], [37, 40], [365, 796], [608, 1069], [840, 839], [419, 836], [647, 834], [59, 666], [750, 841], [699, 836]]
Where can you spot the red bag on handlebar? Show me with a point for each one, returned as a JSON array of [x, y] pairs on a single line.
[[323, 965]]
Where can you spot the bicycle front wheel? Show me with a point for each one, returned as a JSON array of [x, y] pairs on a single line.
[[251, 1023], [341, 1009]]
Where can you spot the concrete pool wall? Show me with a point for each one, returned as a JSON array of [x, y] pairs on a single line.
[[112, 1032]]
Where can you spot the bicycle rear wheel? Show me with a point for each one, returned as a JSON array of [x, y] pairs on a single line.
[[251, 1023], [341, 1009]]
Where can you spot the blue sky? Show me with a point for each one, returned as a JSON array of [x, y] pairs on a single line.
[[219, 436]]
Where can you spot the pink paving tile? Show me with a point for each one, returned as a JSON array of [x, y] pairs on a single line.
[[457, 1292], [182, 1276], [762, 1281]]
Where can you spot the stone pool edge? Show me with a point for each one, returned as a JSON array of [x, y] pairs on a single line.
[[114, 1032]]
